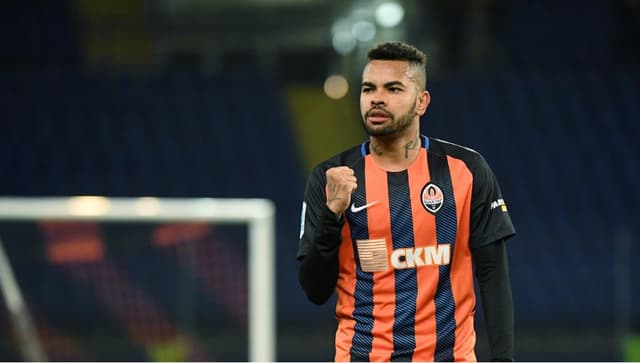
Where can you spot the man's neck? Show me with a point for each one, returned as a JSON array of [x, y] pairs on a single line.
[[395, 153]]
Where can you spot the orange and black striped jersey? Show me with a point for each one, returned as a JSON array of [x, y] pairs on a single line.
[[405, 286]]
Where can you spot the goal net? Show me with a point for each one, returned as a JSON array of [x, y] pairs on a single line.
[[167, 279]]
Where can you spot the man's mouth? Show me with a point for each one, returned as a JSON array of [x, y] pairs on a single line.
[[378, 116]]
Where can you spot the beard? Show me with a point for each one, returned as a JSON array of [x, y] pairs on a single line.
[[394, 126]]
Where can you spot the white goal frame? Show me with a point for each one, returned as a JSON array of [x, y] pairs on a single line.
[[258, 214]]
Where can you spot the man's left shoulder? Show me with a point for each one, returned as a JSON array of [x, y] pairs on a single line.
[[457, 151]]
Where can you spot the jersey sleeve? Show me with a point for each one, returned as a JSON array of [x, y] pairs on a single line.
[[490, 220], [313, 205]]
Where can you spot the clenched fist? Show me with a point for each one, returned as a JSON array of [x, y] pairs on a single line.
[[341, 182]]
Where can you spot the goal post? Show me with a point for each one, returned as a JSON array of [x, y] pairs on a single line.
[[258, 214]]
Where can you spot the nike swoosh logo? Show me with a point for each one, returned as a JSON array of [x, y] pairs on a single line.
[[355, 209]]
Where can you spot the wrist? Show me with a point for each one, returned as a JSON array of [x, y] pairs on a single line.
[[327, 237], [333, 216], [335, 209]]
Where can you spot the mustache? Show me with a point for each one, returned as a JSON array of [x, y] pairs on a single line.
[[378, 109]]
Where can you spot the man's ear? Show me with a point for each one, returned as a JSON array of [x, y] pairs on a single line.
[[424, 98]]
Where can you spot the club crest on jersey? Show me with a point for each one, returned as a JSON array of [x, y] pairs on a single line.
[[432, 198]]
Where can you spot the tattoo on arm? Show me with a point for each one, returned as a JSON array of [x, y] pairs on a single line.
[[333, 193]]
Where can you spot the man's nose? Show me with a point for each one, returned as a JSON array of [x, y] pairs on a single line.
[[377, 101]]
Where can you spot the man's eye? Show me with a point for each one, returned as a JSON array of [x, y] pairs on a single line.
[[395, 89], [366, 90]]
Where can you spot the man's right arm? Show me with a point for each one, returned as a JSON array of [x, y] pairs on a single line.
[[320, 238], [318, 271]]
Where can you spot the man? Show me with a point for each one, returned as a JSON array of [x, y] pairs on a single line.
[[395, 225]]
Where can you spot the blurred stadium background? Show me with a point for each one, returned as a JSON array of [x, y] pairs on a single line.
[[233, 98]]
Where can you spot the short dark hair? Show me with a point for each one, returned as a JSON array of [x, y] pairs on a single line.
[[397, 50]]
